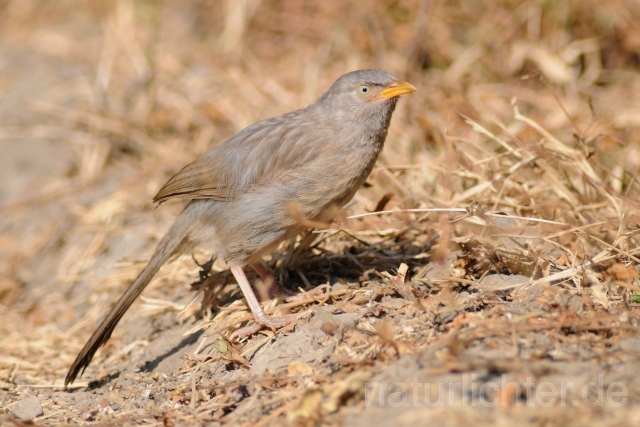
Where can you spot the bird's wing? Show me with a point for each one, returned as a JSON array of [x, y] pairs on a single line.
[[254, 156]]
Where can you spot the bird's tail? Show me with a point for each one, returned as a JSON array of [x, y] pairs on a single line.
[[166, 248]]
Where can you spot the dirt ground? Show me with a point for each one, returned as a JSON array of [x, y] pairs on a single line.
[[486, 273]]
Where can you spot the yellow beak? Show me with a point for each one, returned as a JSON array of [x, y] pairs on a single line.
[[395, 89]]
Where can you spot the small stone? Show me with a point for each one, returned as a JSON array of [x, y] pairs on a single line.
[[27, 409]]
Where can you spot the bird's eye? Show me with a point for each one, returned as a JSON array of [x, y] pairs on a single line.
[[364, 90]]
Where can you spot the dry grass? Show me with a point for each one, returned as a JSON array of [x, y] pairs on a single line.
[[519, 153]]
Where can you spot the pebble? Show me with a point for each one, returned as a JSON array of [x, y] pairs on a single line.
[[27, 409]]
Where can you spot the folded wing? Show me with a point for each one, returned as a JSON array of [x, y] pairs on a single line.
[[256, 155]]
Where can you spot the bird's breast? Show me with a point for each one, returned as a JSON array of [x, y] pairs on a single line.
[[331, 184]]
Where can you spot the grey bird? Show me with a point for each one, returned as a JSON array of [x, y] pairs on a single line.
[[260, 187]]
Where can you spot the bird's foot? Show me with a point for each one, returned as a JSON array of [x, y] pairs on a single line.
[[315, 292], [265, 321], [247, 331]]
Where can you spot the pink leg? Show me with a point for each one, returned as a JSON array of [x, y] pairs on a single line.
[[277, 290], [262, 272], [266, 289], [259, 315]]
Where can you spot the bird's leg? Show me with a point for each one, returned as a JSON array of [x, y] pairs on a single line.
[[275, 289], [259, 315], [262, 271], [270, 288]]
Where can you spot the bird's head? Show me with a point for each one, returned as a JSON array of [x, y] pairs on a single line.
[[367, 97]]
